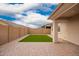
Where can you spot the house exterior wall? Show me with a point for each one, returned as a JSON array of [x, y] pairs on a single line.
[[70, 30]]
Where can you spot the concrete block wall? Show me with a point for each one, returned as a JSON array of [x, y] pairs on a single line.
[[3, 34], [26, 30], [22, 30], [13, 33], [40, 31]]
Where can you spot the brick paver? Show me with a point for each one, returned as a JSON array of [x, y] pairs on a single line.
[[16, 48]]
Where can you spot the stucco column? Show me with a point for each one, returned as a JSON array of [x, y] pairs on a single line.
[[55, 31]]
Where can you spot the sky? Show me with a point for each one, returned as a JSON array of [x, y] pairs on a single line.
[[33, 15]]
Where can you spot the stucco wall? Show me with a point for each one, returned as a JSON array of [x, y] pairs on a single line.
[[70, 30]]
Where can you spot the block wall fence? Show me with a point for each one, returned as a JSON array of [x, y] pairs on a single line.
[[9, 33]]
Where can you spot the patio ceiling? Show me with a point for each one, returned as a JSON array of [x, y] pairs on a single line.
[[65, 10]]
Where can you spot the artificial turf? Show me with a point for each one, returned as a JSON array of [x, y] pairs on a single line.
[[37, 38]]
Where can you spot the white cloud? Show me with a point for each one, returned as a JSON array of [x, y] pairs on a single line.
[[19, 16], [33, 20], [19, 22], [16, 8]]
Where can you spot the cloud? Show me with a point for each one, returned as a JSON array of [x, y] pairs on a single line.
[[43, 8], [18, 11], [16, 8], [13, 11], [19, 22], [28, 14], [33, 20]]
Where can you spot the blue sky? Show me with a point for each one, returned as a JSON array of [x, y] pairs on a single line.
[[43, 8], [17, 12]]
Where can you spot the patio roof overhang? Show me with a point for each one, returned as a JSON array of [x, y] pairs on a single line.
[[65, 10]]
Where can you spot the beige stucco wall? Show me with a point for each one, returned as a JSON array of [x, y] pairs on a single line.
[[70, 30], [3, 34]]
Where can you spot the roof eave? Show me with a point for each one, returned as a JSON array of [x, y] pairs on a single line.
[[58, 7]]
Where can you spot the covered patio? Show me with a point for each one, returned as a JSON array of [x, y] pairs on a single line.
[[62, 45], [65, 18]]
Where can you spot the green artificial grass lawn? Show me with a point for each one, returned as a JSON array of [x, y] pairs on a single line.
[[37, 38]]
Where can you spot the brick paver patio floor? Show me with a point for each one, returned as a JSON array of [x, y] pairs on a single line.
[[16, 48]]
